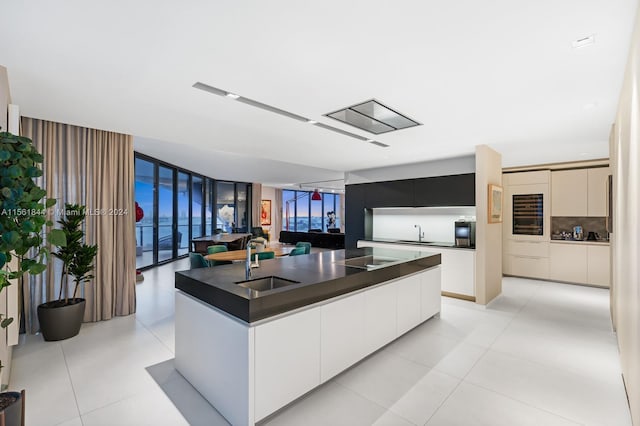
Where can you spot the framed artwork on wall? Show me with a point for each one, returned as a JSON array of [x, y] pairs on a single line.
[[495, 204], [265, 212]]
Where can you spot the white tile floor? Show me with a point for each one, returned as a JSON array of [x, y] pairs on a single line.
[[541, 354]]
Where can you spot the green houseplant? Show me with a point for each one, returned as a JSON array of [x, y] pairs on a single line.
[[61, 319], [22, 219]]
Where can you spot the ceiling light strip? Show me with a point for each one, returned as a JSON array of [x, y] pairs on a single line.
[[254, 103]]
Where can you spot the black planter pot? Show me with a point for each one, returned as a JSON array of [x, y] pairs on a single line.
[[12, 408], [59, 321]]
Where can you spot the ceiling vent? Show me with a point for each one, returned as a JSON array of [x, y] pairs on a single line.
[[373, 117]]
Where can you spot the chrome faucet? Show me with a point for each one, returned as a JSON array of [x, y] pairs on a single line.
[[247, 265], [420, 233]]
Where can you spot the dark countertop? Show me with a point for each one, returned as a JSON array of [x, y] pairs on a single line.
[[423, 243], [321, 276]]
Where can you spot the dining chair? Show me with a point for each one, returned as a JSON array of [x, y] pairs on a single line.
[[197, 260], [266, 255], [297, 251], [305, 245], [217, 249]]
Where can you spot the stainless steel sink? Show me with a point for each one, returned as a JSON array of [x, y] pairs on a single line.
[[266, 283]]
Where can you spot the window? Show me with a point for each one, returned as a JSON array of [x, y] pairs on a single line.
[[225, 206], [179, 206], [300, 213]]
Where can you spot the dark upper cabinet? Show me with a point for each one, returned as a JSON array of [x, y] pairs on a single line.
[[455, 190], [396, 193]]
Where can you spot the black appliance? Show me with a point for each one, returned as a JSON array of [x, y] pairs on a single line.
[[465, 233], [528, 214]]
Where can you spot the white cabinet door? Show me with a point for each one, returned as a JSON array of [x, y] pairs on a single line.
[[430, 293], [380, 316], [409, 310], [342, 334], [568, 262], [597, 195], [569, 192], [598, 265], [287, 360], [458, 271]]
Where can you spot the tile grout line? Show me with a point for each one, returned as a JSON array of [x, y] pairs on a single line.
[[73, 389], [486, 349], [579, 422], [371, 401]]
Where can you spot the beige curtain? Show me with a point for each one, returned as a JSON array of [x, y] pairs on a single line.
[[93, 168], [256, 195], [342, 205]]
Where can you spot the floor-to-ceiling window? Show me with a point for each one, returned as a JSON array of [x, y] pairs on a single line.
[[165, 214], [301, 213], [183, 205], [179, 206], [145, 177], [196, 207], [225, 206]]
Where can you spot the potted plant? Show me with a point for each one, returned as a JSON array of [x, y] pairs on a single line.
[[61, 319], [22, 219]]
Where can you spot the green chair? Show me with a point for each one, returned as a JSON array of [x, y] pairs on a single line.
[[306, 246], [197, 261], [297, 251], [217, 249], [265, 255]]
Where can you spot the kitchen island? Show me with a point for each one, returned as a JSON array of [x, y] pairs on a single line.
[[252, 347]]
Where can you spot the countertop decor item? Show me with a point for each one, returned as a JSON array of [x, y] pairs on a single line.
[[495, 204]]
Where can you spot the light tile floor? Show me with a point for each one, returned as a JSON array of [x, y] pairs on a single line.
[[541, 354]]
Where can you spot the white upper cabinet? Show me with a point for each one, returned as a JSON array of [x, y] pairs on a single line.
[[569, 192], [597, 195]]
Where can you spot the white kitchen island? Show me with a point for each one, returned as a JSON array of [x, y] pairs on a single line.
[[249, 370]]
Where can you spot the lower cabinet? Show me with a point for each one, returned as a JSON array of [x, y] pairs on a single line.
[[568, 262], [296, 353], [530, 267], [599, 265], [288, 348], [580, 263], [409, 302], [342, 333]]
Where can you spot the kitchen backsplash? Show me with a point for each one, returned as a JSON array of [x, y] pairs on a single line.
[[589, 224], [437, 222]]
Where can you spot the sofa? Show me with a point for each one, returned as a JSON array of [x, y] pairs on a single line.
[[317, 239]]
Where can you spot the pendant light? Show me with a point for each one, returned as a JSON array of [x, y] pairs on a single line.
[[316, 195]]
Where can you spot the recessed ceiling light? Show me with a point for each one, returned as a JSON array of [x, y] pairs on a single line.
[[590, 105], [582, 154], [584, 41], [369, 140], [232, 95], [312, 122]]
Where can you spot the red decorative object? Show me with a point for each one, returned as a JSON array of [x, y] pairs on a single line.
[[316, 195], [139, 213]]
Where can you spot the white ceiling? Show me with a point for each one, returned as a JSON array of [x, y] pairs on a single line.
[[496, 72]]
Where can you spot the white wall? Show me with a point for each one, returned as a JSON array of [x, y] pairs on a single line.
[[625, 166], [444, 167], [437, 222]]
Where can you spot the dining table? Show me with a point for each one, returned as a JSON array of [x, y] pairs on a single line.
[[242, 254], [200, 244]]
